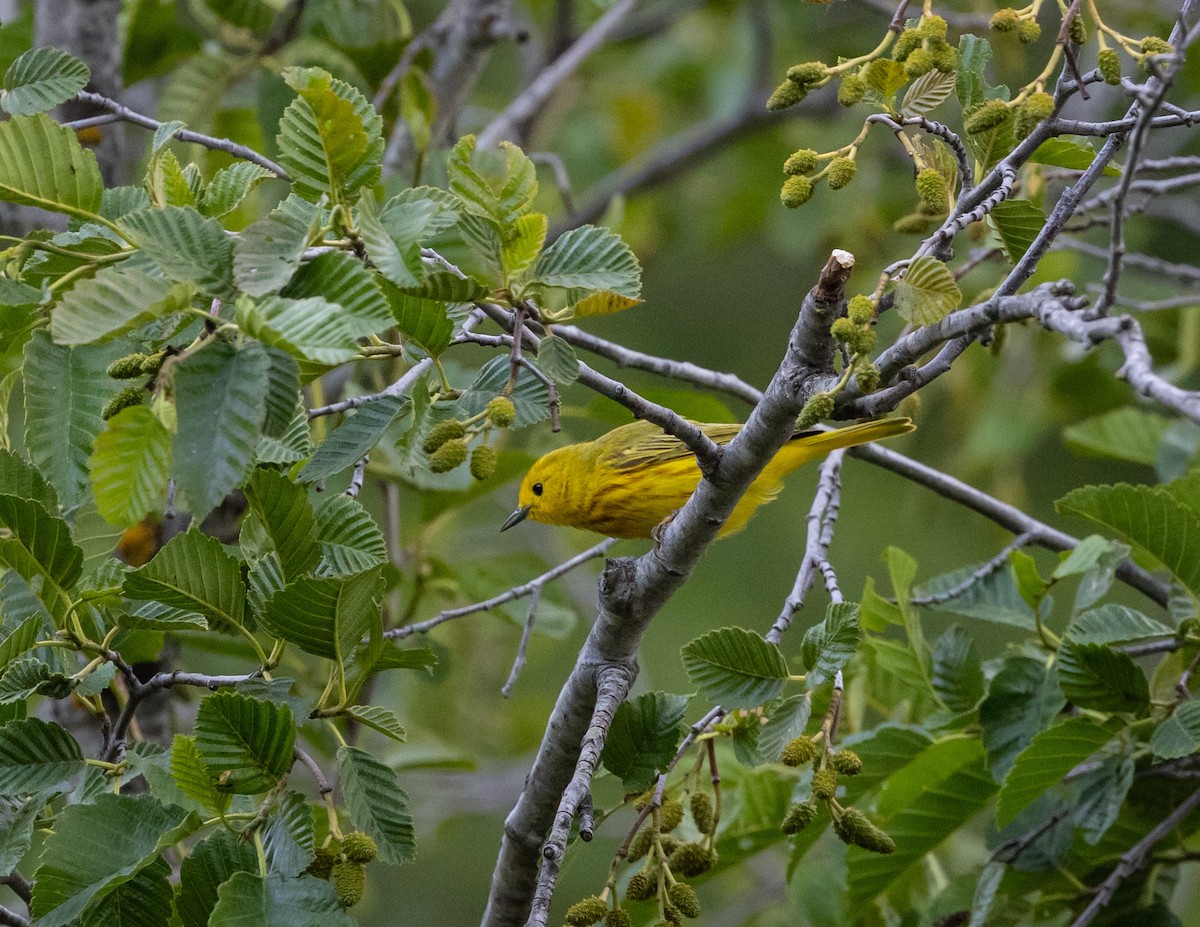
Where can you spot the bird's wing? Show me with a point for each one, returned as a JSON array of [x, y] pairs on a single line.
[[642, 443]]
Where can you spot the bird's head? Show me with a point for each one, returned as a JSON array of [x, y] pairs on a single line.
[[544, 493]]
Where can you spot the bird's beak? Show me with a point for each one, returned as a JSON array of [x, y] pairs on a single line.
[[516, 517]]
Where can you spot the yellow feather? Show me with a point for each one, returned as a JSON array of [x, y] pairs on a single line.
[[626, 482]]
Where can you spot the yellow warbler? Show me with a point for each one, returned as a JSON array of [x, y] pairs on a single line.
[[626, 482]]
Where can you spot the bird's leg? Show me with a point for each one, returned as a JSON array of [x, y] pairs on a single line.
[[656, 532]]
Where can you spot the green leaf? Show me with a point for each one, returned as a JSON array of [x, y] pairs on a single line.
[[282, 395], [423, 321], [40, 79], [397, 256], [973, 55], [220, 400], [1061, 152], [247, 900], [326, 617], [350, 540], [589, 258], [230, 186], [828, 646], [785, 722], [735, 668], [246, 743], [193, 778], [267, 253], [959, 791], [1018, 223], [341, 279], [602, 302], [17, 817], [500, 185], [1101, 792], [282, 507], [21, 640], [377, 805], [19, 478], [1052, 754], [957, 674], [310, 328], [1114, 624], [65, 389], [927, 293], [131, 463], [1095, 676], [330, 137], [1147, 516], [521, 248], [352, 439], [994, 598], [193, 572], [530, 396], [97, 847], [115, 301], [1127, 433], [443, 286], [886, 77], [186, 246], [1022, 699], [210, 865], [144, 901], [379, 719], [643, 738], [288, 838], [39, 545], [42, 164], [36, 755], [1179, 735], [557, 360], [31, 676], [927, 93]]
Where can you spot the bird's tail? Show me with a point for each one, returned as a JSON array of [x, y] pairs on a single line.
[[806, 446]]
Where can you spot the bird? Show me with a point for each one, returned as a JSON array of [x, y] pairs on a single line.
[[629, 481]]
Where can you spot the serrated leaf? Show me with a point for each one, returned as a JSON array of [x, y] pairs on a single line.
[[1179, 735], [282, 507], [500, 185], [1022, 699], [194, 573], [42, 164], [97, 847], [350, 540], [377, 804], [193, 778], [186, 246], [21, 640], [928, 292], [326, 617], [19, 478], [230, 186], [248, 900], [1150, 517], [330, 137], [1126, 433], [267, 253], [1061, 152], [785, 722], [39, 545], [1114, 624], [40, 80], [970, 85], [288, 838], [17, 817], [1018, 223], [827, 646], [282, 393], [957, 676], [347, 443], [143, 901], [65, 389], [1050, 755], [886, 76], [557, 360], [341, 279], [379, 719], [166, 182], [525, 243], [643, 737], [589, 258], [443, 286], [423, 321], [735, 668], [36, 755], [210, 865], [220, 401], [927, 93], [246, 743], [31, 676], [130, 464], [530, 396], [310, 328], [115, 301], [602, 302], [1101, 792]]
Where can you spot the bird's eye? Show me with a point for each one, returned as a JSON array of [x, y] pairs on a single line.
[[537, 489]]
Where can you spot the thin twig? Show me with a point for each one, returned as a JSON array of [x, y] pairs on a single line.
[[535, 599], [358, 476], [323, 785], [977, 575]]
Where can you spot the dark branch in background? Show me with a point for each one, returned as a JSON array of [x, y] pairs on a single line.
[[11, 918], [977, 575], [125, 114]]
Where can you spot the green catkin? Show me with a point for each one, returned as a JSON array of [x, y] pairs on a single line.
[[1078, 31], [786, 94], [1037, 107], [993, 113], [684, 898], [945, 59], [153, 363], [851, 90], [589, 911], [933, 28], [323, 859], [359, 848], [128, 367], [931, 188], [1005, 20], [798, 817], [796, 192], [860, 310], [915, 223], [798, 752], [691, 859], [640, 887], [841, 172], [800, 162], [450, 455], [349, 882], [672, 915], [843, 329], [129, 396], [854, 828], [670, 815], [868, 377], [919, 62], [1109, 63], [819, 406], [442, 432], [824, 783], [847, 762], [1153, 45], [807, 74], [483, 462], [618, 917], [909, 41], [640, 845], [1029, 32], [500, 411], [702, 812]]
